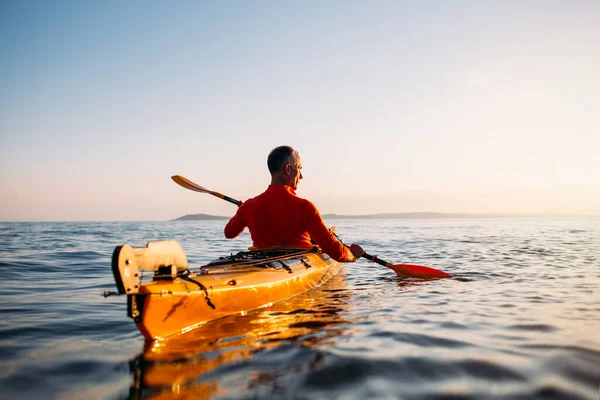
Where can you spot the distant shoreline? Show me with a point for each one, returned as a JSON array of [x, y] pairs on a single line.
[[411, 215], [200, 217]]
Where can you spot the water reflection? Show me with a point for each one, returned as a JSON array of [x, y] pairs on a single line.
[[214, 358]]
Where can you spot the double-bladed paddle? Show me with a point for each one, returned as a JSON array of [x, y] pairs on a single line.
[[402, 270]]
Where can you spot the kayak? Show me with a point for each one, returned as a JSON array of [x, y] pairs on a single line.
[[166, 298], [311, 320]]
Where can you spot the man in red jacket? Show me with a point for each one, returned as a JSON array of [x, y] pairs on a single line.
[[278, 217]]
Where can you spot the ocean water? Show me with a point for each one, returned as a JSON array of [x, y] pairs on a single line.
[[519, 320]]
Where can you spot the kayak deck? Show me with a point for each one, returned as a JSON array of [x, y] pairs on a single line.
[[178, 299]]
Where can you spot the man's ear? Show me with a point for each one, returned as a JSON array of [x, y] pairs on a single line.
[[287, 169]]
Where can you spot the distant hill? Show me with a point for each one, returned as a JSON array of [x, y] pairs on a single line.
[[201, 217], [411, 215]]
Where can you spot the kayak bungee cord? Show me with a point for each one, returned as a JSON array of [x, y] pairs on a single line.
[[202, 287], [242, 262], [233, 263]]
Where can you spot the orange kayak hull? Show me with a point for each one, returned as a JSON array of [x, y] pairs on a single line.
[[164, 308]]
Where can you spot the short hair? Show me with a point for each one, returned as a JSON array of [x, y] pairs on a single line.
[[278, 157]]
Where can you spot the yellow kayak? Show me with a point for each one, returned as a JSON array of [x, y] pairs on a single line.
[[176, 299]]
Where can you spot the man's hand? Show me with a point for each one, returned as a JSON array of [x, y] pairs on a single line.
[[356, 251]]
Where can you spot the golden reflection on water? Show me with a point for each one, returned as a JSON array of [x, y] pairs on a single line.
[[179, 366]]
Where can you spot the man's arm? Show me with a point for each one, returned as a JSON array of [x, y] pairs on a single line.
[[323, 237], [236, 225]]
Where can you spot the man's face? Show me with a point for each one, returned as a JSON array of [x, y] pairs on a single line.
[[295, 171]]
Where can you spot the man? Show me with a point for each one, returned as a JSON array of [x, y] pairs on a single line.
[[278, 217]]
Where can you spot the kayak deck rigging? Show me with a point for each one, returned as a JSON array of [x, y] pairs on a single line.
[[166, 297]]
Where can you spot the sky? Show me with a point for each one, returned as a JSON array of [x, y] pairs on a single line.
[[394, 106]]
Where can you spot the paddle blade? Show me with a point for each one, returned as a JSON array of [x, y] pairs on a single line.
[[186, 183], [417, 271]]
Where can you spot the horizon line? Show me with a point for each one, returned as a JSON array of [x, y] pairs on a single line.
[[400, 215]]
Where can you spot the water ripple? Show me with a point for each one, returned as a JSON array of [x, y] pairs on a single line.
[[519, 319]]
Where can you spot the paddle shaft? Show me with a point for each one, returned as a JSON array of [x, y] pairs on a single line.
[[375, 259], [405, 270], [227, 198], [369, 257]]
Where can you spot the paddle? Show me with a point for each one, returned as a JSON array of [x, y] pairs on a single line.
[[409, 270], [402, 270], [186, 183]]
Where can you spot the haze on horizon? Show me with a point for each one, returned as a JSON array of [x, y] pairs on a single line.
[[394, 106]]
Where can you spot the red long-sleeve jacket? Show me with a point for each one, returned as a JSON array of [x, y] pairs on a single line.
[[278, 217]]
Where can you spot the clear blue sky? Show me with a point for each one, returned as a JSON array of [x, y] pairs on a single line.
[[459, 106]]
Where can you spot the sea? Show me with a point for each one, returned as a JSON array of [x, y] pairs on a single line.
[[519, 319]]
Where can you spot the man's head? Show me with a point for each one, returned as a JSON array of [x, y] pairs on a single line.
[[285, 166]]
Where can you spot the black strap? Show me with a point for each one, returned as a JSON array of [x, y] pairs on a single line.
[[202, 287]]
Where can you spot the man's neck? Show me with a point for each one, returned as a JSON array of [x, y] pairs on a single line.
[[278, 181]]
